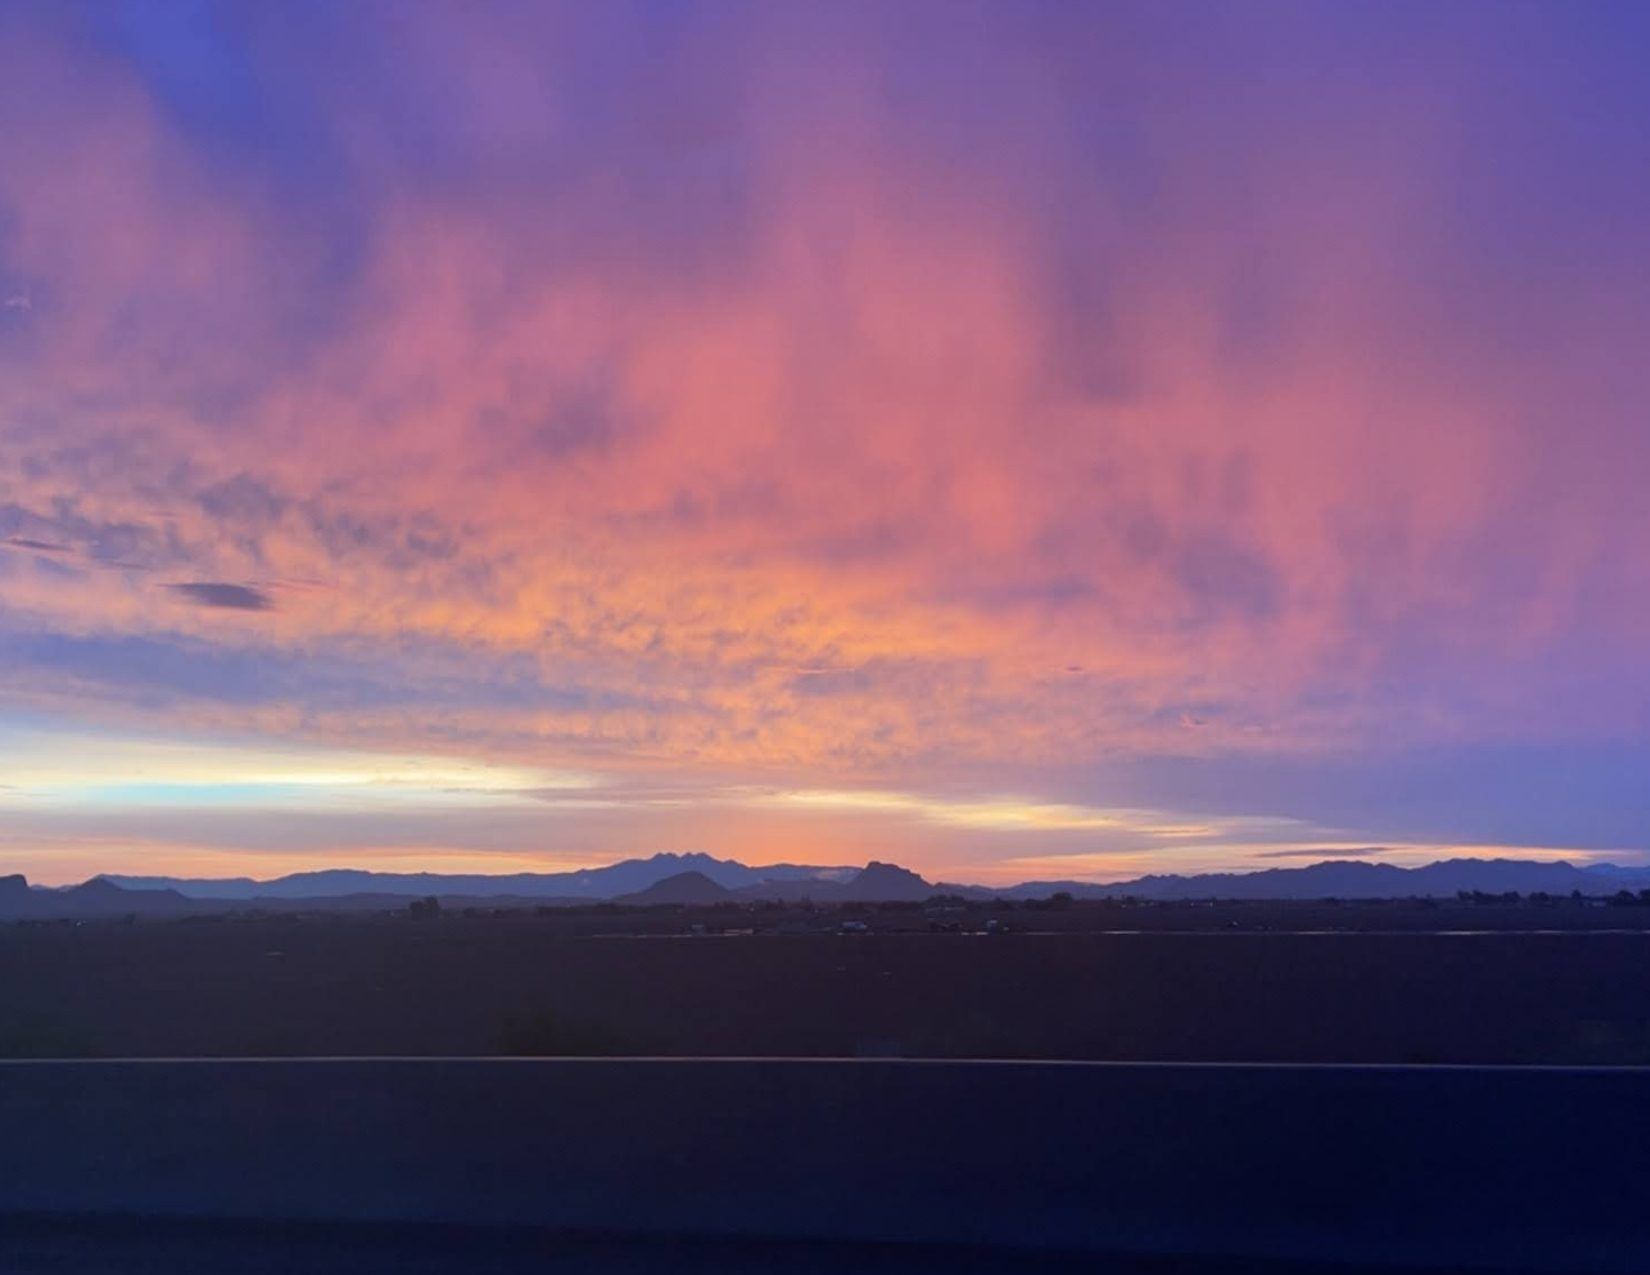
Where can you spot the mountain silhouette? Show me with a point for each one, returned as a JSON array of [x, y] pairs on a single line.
[[14, 894], [1358, 879], [97, 898], [596, 884], [874, 883], [700, 879], [886, 883], [684, 887]]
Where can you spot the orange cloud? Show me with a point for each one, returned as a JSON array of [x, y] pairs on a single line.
[[789, 437]]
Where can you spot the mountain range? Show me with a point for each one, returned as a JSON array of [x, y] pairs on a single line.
[[692, 879], [593, 884], [1359, 879]]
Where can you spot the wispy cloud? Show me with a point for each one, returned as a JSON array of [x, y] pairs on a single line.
[[1323, 852], [64, 770], [229, 597], [754, 409], [1027, 814]]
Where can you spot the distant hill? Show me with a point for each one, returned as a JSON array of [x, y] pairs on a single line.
[[1358, 879], [684, 887], [596, 884], [689, 879], [14, 894], [97, 898], [874, 883], [100, 897], [886, 883]]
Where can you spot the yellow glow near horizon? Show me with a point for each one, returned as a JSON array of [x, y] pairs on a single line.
[[57, 769], [1020, 814]]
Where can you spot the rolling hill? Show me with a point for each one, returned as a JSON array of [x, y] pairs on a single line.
[[696, 879]]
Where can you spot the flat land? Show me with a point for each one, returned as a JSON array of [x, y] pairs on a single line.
[[101, 1247], [1265, 983]]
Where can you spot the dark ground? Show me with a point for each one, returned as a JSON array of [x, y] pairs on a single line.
[[1227, 983], [102, 1246], [799, 1165]]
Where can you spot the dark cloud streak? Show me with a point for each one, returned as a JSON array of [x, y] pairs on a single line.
[[229, 597]]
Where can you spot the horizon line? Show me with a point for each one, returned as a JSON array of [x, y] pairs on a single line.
[[115, 878]]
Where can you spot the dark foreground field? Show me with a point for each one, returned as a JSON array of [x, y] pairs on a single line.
[[82, 1246], [524, 985], [611, 1165]]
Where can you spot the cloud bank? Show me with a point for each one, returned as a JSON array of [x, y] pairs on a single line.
[[831, 397]]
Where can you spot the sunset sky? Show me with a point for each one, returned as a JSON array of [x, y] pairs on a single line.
[[1021, 440]]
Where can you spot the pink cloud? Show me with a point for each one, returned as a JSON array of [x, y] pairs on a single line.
[[790, 380]]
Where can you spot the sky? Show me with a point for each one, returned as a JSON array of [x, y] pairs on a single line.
[[1021, 440]]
